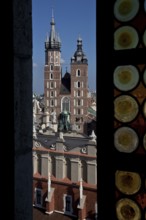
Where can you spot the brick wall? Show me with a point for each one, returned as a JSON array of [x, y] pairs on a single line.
[[69, 189]]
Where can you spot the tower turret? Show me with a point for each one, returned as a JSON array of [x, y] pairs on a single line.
[[79, 55]]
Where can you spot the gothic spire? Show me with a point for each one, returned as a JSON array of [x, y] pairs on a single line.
[[54, 39]]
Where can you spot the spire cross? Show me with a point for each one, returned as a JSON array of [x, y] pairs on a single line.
[[79, 36], [52, 13]]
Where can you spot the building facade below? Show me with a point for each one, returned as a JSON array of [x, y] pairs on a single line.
[[65, 174]]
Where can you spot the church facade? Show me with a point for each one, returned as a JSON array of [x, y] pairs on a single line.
[[68, 93]]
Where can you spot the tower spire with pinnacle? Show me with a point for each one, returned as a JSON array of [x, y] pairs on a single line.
[[54, 41]]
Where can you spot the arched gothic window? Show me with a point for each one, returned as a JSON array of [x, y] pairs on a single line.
[[51, 75], [66, 104], [79, 84], [78, 72]]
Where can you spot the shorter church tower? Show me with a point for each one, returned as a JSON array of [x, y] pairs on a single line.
[[79, 87]]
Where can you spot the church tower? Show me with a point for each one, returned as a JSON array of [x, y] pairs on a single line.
[[79, 87], [52, 70]]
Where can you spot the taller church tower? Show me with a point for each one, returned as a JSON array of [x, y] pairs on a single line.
[[52, 70]]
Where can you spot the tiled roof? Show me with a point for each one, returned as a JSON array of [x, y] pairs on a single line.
[[70, 142]]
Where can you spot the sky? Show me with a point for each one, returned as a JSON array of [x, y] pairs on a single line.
[[73, 18]]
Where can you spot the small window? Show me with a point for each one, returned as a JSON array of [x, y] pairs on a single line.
[[77, 119], [38, 197], [78, 73], [51, 75], [68, 168], [84, 170], [79, 102], [68, 204], [79, 84], [52, 93], [79, 111], [78, 94], [51, 67], [53, 166], [52, 102], [78, 127], [39, 164], [52, 85]]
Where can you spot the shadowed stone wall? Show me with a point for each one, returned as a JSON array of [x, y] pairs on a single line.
[[22, 68]]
